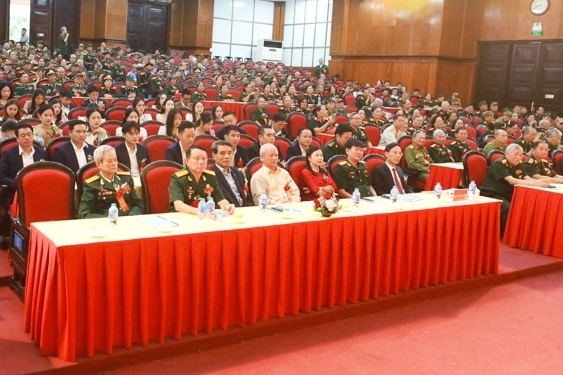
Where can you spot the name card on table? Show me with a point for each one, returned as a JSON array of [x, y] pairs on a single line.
[[455, 195]]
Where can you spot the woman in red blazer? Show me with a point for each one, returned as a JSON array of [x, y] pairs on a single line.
[[315, 177]]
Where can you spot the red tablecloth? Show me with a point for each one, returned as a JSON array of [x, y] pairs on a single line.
[[534, 220], [448, 177], [81, 299], [235, 107]]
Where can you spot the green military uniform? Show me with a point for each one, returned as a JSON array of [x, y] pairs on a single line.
[[100, 193], [171, 90], [113, 91], [24, 89], [552, 148], [198, 96], [494, 145], [126, 91], [418, 158], [156, 84], [304, 112], [93, 75], [244, 95], [321, 69], [261, 117], [88, 60], [314, 122], [286, 112], [143, 81], [331, 149], [221, 97], [410, 130], [495, 182], [526, 146], [445, 115], [78, 90], [348, 177], [52, 89], [360, 134], [117, 71], [440, 153], [185, 188], [459, 149], [312, 99], [360, 101], [544, 167]]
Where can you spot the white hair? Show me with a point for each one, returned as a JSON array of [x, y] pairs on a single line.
[[101, 151], [266, 148]]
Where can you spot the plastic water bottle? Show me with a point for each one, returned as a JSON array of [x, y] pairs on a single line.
[[356, 200], [210, 210], [438, 190], [394, 194], [201, 208], [263, 201], [472, 188], [113, 213]]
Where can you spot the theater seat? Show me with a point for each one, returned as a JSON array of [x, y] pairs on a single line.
[[155, 179], [205, 141], [475, 167], [157, 145], [294, 166]]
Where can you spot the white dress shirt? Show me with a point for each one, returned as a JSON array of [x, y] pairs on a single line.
[[80, 154], [135, 170], [27, 159]]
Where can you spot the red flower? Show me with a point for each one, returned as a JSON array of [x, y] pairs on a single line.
[[195, 203], [317, 203], [287, 187]]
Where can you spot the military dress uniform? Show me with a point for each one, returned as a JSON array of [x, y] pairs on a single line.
[[312, 99], [156, 84], [321, 69], [412, 129], [113, 91], [418, 158], [185, 188], [459, 149], [543, 167], [99, 193], [198, 96], [349, 178], [286, 112], [221, 97], [171, 90], [440, 153], [331, 149], [360, 134], [78, 90], [526, 146], [126, 91], [552, 148], [52, 89], [24, 89]]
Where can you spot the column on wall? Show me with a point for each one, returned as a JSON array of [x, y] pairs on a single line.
[[191, 26], [103, 21]]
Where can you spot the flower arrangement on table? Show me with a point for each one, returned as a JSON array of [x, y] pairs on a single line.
[[327, 204]]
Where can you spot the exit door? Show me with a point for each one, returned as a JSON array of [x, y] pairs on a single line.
[[147, 26]]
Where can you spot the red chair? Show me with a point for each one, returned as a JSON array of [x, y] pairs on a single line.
[[54, 144], [472, 143], [373, 133], [294, 166], [350, 109], [488, 139], [111, 126], [342, 119], [333, 162], [475, 167], [250, 127], [510, 140], [217, 126], [67, 85], [481, 130], [115, 113], [246, 141], [349, 99], [152, 127], [121, 103], [149, 103], [205, 141], [112, 141], [247, 110], [24, 99], [494, 155], [475, 121], [211, 93], [157, 145], [295, 122], [151, 111], [235, 93], [272, 109], [373, 160], [251, 167], [9, 143], [74, 113], [556, 159], [29, 121], [65, 128], [283, 144], [471, 131], [87, 171], [155, 179], [33, 207]]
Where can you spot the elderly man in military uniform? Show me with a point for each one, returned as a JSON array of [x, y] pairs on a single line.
[[156, 83], [553, 138], [538, 166], [188, 185], [358, 131], [321, 69], [51, 88], [528, 137], [130, 90], [143, 78], [459, 147], [438, 151], [79, 88], [117, 69], [199, 95], [24, 87], [500, 142], [173, 88], [352, 173], [108, 186], [501, 177], [337, 146], [417, 156]]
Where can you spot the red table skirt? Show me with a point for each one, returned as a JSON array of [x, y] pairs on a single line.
[[81, 299], [235, 107], [534, 221], [447, 177]]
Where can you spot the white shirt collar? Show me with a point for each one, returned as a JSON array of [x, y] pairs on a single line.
[[31, 153], [84, 145]]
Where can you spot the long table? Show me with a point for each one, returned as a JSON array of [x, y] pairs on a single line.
[[449, 175], [534, 220], [89, 294]]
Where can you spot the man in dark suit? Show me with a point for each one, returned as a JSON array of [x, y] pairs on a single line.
[[186, 136], [388, 174], [278, 124], [232, 136], [94, 98], [75, 153], [301, 144], [230, 180], [14, 159], [265, 135], [130, 153]]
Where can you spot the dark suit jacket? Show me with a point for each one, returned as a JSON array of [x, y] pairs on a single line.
[[65, 155], [226, 189], [293, 150], [10, 164], [382, 180], [174, 153], [123, 155], [221, 133], [241, 157]]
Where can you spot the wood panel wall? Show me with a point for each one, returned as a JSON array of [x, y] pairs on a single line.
[[191, 26], [5, 20]]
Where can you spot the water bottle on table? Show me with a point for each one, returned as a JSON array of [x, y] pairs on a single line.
[[356, 200], [201, 208], [394, 194], [263, 202], [438, 190], [472, 189], [210, 211], [113, 214]]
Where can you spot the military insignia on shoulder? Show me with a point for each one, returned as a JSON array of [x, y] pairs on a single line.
[[410, 146], [504, 161], [92, 179], [181, 173], [208, 171], [362, 162], [434, 145], [343, 162], [123, 173]]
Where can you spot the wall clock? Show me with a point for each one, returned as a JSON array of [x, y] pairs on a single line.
[[539, 7]]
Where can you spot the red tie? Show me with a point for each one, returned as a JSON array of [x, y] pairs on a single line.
[[398, 183]]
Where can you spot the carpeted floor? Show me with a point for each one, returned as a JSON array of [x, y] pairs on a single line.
[[513, 329]]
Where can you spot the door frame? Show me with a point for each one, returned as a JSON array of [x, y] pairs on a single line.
[[168, 4]]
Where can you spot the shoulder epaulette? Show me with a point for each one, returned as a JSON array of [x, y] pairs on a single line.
[[208, 171], [181, 173], [531, 161], [343, 162], [504, 161], [410, 146], [362, 162], [433, 145], [124, 173], [92, 179]]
